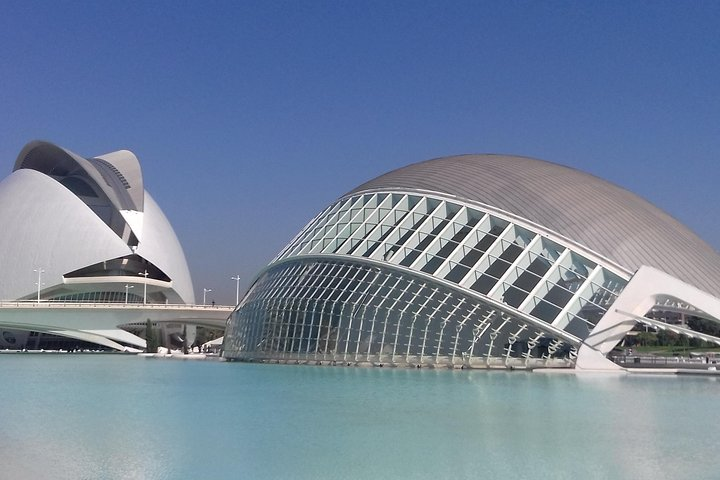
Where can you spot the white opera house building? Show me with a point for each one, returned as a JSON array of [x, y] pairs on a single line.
[[478, 261], [84, 231]]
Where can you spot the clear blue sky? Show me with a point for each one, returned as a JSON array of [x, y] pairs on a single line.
[[249, 117]]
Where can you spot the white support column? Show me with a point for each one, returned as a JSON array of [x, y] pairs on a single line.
[[459, 327], [276, 325], [511, 342], [312, 323], [39, 271], [400, 318], [377, 308], [415, 317], [361, 301], [320, 329], [479, 330], [532, 343], [390, 310], [427, 325], [552, 348], [493, 335], [372, 321], [297, 313], [445, 321], [359, 333], [338, 331]]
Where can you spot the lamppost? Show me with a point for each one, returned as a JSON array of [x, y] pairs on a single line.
[[205, 292], [39, 271], [144, 274], [237, 288], [127, 287]]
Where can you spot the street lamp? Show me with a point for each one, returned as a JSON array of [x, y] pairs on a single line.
[[127, 287], [39, 271], [144, 274], [205, 292], [237, 288]]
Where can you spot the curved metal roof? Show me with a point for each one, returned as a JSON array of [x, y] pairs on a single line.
[[603, 217]]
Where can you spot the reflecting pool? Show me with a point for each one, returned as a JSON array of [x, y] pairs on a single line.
[[124, 417]]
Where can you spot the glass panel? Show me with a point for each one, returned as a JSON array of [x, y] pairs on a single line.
[[424, 242], [484, 241], [545, 311], [497, 268]]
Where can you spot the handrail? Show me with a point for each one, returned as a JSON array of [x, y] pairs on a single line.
[[119, 305]]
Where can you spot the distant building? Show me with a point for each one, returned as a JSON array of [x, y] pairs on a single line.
[[88, 231], [476, 261]]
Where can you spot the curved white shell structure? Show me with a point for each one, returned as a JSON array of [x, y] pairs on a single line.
[[91, 229], [477, 261]]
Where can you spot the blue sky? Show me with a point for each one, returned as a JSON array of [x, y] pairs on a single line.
[[249, 117]]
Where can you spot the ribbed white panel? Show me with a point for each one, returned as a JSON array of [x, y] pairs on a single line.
[[590, 211], [161, 247], [45, 225]]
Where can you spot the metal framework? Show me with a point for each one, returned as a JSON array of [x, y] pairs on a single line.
[[477, 261], [402, 278]]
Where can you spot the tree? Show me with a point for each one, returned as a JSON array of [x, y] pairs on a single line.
[[646, 339], [150, 338], [704, 326]]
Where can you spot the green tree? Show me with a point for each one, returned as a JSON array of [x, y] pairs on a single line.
[[647, 339], [704, 326], [668, 339], [150, 338]]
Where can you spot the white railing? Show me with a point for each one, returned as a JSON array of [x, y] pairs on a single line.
[[111, 305]]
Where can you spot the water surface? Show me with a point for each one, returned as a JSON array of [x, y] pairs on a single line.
[[125, 417]]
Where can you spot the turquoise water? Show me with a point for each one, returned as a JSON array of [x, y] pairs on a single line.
[[121, 417]]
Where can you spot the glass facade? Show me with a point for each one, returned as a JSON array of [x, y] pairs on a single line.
[[414, 279], [98, 297]]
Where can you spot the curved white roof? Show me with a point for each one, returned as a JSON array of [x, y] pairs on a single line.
[[47, 226], [118, 173], [161, 246], [603, 217]]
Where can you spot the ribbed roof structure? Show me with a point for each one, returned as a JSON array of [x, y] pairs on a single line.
[[592, 212]]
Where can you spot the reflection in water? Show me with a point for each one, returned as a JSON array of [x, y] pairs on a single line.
[[111, 416]]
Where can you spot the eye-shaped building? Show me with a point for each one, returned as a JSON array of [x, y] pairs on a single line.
[[477, 261]]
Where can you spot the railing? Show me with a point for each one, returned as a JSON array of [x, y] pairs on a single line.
[[142, 306], [651, 361], [412, 361]]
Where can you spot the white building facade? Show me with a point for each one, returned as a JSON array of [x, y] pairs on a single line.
[[85, 230]]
